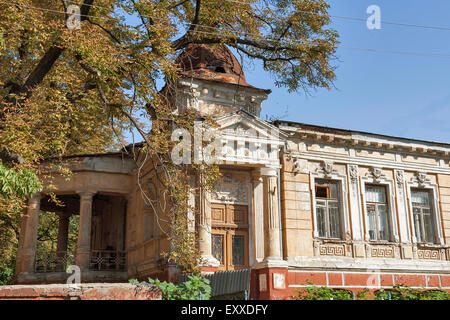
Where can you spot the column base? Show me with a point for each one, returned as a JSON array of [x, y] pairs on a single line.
[[269, 280]]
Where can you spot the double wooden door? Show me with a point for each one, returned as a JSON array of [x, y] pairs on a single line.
[[229, 236]]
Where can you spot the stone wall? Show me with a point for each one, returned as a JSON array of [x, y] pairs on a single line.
[[92, 291]]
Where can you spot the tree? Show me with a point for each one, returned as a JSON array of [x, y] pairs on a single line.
[[68, 90]]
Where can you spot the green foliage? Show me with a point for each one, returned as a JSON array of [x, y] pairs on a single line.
[[48, 233], [398, 292], [402, 292], [6, 274], [21, 183], [312, 292], [195, 288]]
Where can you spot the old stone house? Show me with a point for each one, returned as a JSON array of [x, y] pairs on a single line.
[[341, 208]]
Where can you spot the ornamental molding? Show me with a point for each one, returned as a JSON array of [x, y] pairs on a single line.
[[429, 254], [353, 172], [400, 178], [421, 179], [384, 251], [347, 159], [332, 250], [413, 147], [376, 174], [327, 169], [231, 188]]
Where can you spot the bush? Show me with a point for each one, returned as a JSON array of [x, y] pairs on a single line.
[[313, 292], [6, 275], [398, 292], [402, 292], [195, 288]]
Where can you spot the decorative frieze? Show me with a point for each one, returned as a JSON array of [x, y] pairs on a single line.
[[429, 254], [382, 252], [332, 250]]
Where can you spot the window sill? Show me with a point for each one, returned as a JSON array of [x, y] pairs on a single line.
[[382, 242], [328, 240], [429, 245]]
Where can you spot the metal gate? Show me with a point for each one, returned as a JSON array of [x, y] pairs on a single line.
[[227, 284]]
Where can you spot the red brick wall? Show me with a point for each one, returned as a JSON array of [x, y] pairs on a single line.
[[356, 281]]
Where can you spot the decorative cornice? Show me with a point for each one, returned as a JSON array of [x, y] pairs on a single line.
[[356, 142]]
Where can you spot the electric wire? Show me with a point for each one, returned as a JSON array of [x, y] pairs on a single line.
[[265, 37]]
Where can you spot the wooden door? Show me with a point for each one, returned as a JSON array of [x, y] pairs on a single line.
[[229, 238]]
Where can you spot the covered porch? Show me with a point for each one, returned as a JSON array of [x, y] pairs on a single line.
[[98, 221]]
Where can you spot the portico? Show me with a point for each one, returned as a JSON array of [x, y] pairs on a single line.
[[100, 250]]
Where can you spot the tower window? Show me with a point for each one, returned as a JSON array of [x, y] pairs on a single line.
[[220, 69]]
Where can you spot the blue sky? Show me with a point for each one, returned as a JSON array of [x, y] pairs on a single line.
[[392, 94], [398, 95]]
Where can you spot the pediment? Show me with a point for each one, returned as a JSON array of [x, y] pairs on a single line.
[[245, 139], [242, 124]]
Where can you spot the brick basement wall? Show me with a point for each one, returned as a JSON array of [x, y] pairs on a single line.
[[88, 291], [356, 281]]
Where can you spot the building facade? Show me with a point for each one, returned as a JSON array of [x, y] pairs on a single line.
[[295, 202]]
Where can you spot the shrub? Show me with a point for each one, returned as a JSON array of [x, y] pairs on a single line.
[[195, 288], [312, 292], [402, 292]]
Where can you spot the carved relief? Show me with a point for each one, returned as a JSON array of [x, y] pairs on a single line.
[[428, 254], [400, 178], [376, 174], [421, 178], [382, 252], [327, 169], [332, 250], [230, 188], [353, 171]]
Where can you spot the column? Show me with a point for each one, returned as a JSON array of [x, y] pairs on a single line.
[[269, 278], [63, 235], [272, 218], [84, 230], [28, 254], [258, 214], [204, 229]]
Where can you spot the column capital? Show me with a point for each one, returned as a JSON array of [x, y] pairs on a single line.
[[256, 175], [269, 171], [86, 194]]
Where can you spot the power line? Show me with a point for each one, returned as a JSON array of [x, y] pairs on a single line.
[[286, 40], [444, 28], [54, 11], [425, 54]]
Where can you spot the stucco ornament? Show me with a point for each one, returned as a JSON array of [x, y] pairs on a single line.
[[376, 174], [422, 179], [353, 170], [327, 168], [230, 189], [399, 177]]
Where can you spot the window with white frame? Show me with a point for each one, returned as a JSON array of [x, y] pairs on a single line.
[[328, 209], [377, 213], [423, 215]]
